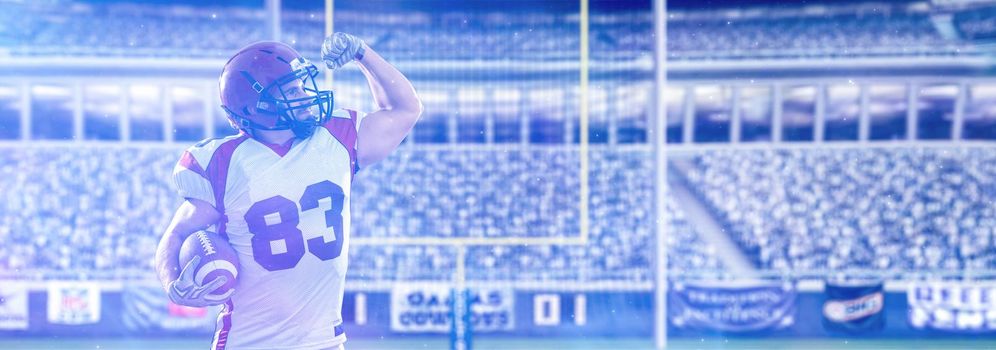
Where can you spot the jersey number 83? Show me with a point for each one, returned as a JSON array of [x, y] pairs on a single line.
[[268, 236]]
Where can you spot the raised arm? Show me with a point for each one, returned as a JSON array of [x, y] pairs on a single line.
[[399, 106], [383, 130]]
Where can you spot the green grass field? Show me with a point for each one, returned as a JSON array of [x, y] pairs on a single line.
[[516, 344]]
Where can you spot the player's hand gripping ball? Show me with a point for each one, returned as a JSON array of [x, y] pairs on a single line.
[[211, 269], [341, 48]]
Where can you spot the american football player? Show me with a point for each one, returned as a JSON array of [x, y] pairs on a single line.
[[279, 192]]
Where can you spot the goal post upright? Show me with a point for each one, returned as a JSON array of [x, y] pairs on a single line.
[[583, 121], [460, 304], [659, 141], [329, 27]]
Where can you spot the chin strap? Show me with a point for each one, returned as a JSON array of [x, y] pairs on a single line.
[[302, 129]]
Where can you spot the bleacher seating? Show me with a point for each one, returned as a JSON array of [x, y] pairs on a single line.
[[833, 209], [103, 208], [805, 210], [836, 36], [118, 30]]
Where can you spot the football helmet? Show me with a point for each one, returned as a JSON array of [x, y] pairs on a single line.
[[270, 86]]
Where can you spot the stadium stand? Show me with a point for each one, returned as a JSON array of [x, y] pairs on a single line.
[[102, 208], [848, 34], [928, 212], [121, 30], [977, 23], [893, 208]]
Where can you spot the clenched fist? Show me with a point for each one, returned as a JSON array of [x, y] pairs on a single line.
[[341, 48]]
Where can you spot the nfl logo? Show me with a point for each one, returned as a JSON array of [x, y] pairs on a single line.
[[73, 304]]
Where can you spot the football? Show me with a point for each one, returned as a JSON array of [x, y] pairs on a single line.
[[218, 258]]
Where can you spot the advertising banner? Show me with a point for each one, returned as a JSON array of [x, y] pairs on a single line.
[[854, 307], [954, 306], [428, 308], [13, 306], [73, 303], [738, 307], [146, 309]]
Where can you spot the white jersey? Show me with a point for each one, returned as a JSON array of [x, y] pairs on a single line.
[[286, 213]]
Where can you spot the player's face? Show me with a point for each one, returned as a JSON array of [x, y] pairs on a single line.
[[294, 90]]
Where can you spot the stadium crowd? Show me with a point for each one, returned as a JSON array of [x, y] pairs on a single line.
[[129, 30], [100, 208], [889, 208], [830, 35], [103, 208]]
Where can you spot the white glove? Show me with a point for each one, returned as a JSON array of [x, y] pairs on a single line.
[[341, 48], [184, 291]]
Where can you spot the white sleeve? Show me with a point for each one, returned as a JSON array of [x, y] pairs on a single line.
[[359, 119], [191, 181]]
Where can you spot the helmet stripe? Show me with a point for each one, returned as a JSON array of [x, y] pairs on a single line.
[[256, 86]]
